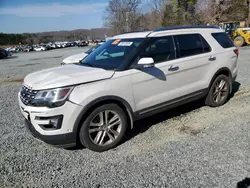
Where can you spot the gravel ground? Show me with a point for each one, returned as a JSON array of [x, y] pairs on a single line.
[[191, 146]]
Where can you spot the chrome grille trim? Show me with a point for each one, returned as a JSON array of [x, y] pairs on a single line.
[[27, 95]]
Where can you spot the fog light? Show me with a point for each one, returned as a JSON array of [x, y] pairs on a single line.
[[50, 123], [54, 122]]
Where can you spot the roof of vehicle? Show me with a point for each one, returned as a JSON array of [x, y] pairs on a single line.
[[143, 34], [187, 27], [136, 34]]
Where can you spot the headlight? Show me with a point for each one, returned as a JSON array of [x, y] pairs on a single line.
[[52, 97]]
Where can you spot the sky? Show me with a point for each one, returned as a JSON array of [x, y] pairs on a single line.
[[19, 16]]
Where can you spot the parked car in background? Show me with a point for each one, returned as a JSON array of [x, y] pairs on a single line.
[[40, 48], [28, 48], [82, 44], [78, 57], [9, 53], [3, 53]]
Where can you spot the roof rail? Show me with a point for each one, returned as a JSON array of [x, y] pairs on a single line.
[[137, 31], [188, 27]]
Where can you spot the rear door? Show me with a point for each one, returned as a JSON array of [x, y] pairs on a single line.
[[194, 56]]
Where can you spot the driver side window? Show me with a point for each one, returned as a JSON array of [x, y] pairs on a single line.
[[161, 49]]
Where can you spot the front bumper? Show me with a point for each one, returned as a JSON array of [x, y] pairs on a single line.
[[63, 140], [64, 135]]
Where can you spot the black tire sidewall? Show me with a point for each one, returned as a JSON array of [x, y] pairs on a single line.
[[209, 99], [84, 135]]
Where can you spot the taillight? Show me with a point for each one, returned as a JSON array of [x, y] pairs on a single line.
[[236, 51]]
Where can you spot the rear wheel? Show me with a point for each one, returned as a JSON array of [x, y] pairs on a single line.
[[219, 91], [104, 128], [239, 41]]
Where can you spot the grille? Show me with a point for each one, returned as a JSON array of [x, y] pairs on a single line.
[[27, 95]]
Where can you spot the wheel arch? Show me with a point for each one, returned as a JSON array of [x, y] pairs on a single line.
[[122, 103], [222, 71]]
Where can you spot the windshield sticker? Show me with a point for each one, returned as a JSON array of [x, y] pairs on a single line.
[[116, 41], [125, 43]]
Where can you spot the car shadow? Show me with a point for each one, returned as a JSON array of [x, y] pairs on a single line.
[[78, 146], [244, 183], [235, 88], [9, 57], [155, 72], [143, 125]]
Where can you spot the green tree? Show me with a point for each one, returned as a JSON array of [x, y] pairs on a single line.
[[179, 12]]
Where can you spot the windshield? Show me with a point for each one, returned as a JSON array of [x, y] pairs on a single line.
[[92, 49], [112, 53]]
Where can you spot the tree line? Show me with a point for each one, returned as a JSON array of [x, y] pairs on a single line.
[[54, 36], [130, 15]]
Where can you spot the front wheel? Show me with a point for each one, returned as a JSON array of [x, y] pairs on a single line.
[[219, 91], [104, 128]]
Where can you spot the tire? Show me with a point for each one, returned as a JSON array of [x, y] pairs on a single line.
[[103, 136], [218, 89], [239, 41]]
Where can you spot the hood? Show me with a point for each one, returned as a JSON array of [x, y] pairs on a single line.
[[65, 76], [75, 58]]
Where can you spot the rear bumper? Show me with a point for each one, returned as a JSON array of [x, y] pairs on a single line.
[[62, 140]]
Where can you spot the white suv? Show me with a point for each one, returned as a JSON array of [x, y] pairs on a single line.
[[129, 77]]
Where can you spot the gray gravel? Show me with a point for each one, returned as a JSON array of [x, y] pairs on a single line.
[[191, 146]]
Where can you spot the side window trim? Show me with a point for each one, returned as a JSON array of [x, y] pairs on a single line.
[[178, 56], [202, 41]]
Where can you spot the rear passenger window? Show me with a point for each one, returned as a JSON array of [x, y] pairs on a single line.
[[191, 44], [223, 40], [161, 49]]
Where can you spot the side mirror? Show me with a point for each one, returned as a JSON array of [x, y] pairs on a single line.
[[145, 62]]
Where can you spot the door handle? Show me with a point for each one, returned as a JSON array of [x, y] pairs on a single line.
[[173, 68], [212, 58]]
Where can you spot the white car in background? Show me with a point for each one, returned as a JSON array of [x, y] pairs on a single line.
[[77, 57], [40, 48]]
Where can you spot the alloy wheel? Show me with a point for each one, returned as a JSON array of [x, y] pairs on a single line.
[[105, 127], [220, 91]]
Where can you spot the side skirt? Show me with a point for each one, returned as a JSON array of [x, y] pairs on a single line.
[[170, 104]]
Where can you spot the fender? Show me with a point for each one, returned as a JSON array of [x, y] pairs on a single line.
[[103, 100], [221, 71]]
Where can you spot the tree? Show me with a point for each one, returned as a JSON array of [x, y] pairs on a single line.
[[237, 10], [155, 16], [215, 11], [122, 15], [180, 12]]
